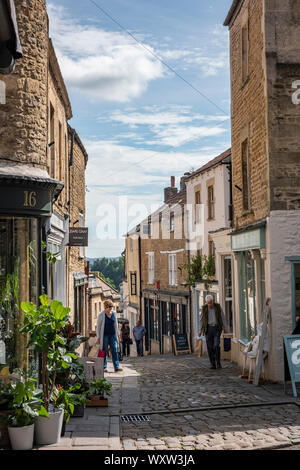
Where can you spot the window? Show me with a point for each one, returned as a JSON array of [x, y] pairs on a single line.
[[212, 250], [81, 222], [19, 282], [246, 175], [228, 291], [147, 229], [60, 155], [197, 206], [245, 53], [150, 268], [96, 310], [52, 137], [172, 222], [133, 283], [172, 270], [210, 202], [247, 295]]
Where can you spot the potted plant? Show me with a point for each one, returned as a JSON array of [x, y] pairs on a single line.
[[43, 325], [24, 410], [98, 389], [66, 399]]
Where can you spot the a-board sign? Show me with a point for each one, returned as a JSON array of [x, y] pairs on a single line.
[[181, 343], [292, 360]]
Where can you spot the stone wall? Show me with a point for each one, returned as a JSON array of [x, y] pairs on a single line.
[[249, 116], [23, 131], [283, 69]]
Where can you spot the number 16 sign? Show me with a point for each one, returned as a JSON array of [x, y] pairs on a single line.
[[292, 360]]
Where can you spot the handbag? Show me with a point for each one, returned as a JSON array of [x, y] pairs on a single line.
[[101, 353], [120, 354], [130, 341]]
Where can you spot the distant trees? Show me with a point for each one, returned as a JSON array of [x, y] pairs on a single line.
[[112, 270]]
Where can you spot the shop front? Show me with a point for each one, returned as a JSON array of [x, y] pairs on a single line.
[[25, 206], [249, 248], [165, 315]]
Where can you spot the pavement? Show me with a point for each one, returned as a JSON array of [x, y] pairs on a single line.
[[183, 405]]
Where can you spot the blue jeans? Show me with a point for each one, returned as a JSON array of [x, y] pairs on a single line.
[[139, 347], [112, 341], [213, 344]]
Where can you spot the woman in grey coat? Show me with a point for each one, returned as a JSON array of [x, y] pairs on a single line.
[[108, 334]]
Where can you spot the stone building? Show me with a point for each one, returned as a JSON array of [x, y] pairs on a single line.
[[99, 291], [77, 266], [265, 65], [155, 258], [209, 224], [34, 179]]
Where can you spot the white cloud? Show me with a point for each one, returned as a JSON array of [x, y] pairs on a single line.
[[105, 65], [173, 127]]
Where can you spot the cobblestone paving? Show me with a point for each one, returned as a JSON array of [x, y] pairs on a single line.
[[168, 383]]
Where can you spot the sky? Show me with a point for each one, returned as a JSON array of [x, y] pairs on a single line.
[[149, 84]]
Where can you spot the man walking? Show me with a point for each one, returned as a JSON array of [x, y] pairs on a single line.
[[139, 332], [212, 322]]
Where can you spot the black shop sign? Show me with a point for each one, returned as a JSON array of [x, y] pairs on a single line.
[[78, 236], [181, 343]]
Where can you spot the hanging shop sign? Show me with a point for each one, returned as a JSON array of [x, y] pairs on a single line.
[[292, 360], [78, 236], [181, 343]]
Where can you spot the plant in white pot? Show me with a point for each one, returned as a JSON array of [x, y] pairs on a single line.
[[23, 406], [43, 324]]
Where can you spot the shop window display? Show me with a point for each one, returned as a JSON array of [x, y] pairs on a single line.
[[19, 282]]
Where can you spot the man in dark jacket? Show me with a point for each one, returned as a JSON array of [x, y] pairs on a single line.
[[212, 323]]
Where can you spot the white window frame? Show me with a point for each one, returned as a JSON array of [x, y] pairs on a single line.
[[150, 268], [172, 261]]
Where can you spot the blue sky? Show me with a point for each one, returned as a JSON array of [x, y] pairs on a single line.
[[139, 121]]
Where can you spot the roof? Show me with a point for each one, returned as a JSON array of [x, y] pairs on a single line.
[[234, 6], [211, 164]]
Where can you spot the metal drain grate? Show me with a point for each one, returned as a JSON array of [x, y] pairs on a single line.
[[135, 419]]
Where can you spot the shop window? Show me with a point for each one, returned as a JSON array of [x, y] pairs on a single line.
[[228, 292], [165, 315], [19, 282], [133, 283], [247, 295]]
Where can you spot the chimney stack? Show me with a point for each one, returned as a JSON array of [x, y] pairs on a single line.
[[170, 191]]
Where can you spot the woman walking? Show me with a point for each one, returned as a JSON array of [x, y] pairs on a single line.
[[108, 334], [125, 338]]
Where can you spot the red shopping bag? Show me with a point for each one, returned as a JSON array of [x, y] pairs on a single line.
[[101, 353]]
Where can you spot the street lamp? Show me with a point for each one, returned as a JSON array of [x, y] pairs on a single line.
[[10, 47]]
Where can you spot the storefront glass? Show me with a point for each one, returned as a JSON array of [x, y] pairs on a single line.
[[247, 295], [19, 282]]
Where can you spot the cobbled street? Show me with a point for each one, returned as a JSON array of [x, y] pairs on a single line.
[[190, 407], [220, 410]]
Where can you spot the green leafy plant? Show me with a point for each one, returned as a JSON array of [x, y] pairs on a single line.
[[101, 387], [51, 257], [201, 268], [43, 325], [24, 404], [67, 399]]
